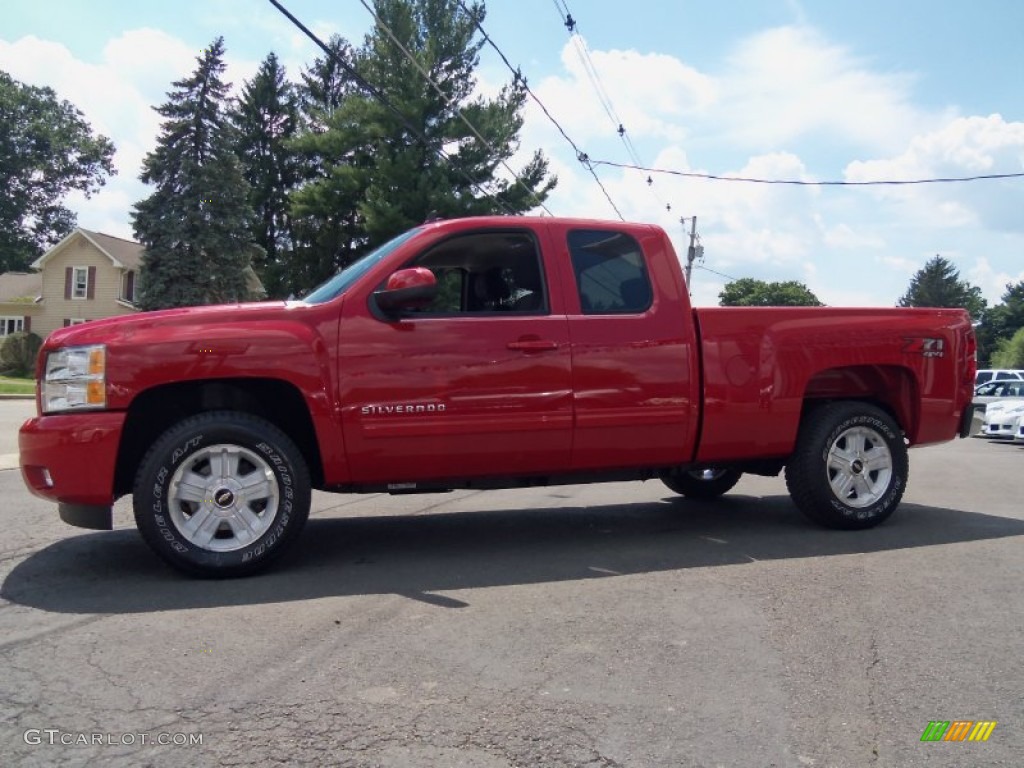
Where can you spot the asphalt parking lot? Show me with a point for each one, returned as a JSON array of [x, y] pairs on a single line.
[[602, 626]]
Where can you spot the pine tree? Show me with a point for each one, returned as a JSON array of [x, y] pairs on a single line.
[[266, 119], [326, 84], [327, 234], [411, 179], [938, 284], [197, 225], [382, 171]]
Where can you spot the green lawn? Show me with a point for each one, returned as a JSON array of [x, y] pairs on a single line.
[[9, 386]]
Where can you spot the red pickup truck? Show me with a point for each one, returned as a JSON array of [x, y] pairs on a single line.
[[483, 353]]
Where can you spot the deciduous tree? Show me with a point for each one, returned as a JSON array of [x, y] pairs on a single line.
[[1009, 352], [1001, 322], [748, 292], [47, 149]]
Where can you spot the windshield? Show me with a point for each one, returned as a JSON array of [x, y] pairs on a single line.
[[341, 281]]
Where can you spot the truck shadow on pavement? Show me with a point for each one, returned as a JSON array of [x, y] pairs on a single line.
[[418, 556]]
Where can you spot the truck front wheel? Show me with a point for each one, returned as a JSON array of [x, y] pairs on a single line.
[[221, 494], [850, 468], [702, 483]]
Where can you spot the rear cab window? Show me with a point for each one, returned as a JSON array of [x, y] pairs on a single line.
[[611, 276]]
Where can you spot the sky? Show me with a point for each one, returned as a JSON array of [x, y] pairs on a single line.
[[808, 90]]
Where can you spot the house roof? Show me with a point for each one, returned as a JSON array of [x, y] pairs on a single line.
[[128, 255], [20, 286], [122, 253], [127, 252]]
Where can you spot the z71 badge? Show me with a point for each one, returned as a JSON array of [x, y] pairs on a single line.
[[925, 347]]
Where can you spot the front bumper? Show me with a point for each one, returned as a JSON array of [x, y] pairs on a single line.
[[98, 517], [70, 459]]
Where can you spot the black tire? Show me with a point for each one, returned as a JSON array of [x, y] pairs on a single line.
[[221, 494], [850, 468], [702, 483]]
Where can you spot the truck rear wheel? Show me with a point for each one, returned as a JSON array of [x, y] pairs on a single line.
[[850, 468], [221, 494], [702, 483]]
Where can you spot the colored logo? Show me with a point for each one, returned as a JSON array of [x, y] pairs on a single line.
[[958, 730]]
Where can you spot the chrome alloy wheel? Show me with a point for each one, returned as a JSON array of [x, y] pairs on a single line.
[[223, 497], [707, 474], [859, 467]]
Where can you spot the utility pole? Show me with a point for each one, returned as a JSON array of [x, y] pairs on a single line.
[[691, 252]]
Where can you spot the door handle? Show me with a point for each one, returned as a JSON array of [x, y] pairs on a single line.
[[533, 345]]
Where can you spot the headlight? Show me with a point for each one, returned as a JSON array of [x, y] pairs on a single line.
[[76, 377]]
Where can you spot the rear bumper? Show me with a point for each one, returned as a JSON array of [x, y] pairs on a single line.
[[70, 459]]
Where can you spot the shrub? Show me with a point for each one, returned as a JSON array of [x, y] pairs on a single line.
[[18, 354]]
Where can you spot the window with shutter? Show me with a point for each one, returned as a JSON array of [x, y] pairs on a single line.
[[80, 282]]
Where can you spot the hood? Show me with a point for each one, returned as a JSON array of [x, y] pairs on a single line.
[[123, 326]]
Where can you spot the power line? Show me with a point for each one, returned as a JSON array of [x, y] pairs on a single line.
[[449, 102], [590, 69], [805, 183], [713, 272], [379, 96], [581, 156]]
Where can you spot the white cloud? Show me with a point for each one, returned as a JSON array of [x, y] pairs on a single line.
[[116, 96], [651, 94], [842, 236], [966, 146], [789, 83], [992, 281]]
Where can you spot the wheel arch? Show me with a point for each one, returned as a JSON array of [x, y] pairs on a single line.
[[155, 410], [892, 388]]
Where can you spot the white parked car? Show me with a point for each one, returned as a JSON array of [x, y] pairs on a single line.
[[1002, 418], [997, 374], [1018, 436]]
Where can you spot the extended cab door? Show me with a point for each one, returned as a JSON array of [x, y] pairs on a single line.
[[634, 357], [477, 384]]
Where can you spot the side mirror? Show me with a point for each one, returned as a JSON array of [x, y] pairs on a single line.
[[412, 288]]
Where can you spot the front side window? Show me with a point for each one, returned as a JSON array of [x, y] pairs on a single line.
[[486, 272], [610, 273]]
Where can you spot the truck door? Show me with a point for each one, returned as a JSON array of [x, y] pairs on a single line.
[[476, 384], [633, 350]]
